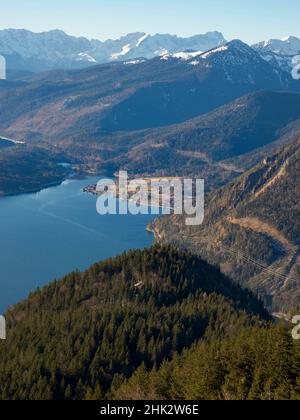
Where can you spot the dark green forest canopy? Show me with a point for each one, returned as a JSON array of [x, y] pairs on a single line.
[[81, 337], [26, 169], [257, 364]]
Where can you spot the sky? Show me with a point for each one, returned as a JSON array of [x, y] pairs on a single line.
[[249, 20]]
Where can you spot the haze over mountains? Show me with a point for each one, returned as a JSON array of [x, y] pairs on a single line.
[[26, 51]]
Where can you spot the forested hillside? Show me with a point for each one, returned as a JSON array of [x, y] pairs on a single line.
[[24, 169], [257, 364], [81, 337], [218, 146], [251, 229]]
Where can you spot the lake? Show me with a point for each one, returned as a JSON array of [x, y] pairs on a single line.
[[51, 233]]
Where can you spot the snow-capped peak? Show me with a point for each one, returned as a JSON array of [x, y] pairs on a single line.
[[167, 46], [214, 51], [125, 50], [184, 55], [289, 45], [56, 49], [290, 38], [279, 52], [132, 62]]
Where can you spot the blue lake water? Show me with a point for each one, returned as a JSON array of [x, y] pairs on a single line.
[[46, 235]]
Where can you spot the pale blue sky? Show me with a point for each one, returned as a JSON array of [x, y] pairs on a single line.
[[250, 20]]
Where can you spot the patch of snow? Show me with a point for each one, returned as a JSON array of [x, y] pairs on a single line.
[[84, 56], [287, 38], [161, 53], [279, 52], [125, 51], [289, 45], [187, 55], [215, 51], [11, 140], [194, 63], [141, 40], [134, 62]]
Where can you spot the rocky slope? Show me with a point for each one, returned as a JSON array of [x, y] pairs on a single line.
[[251, 229], [280, 52]]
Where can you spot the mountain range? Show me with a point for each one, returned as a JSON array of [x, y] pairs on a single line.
[[213, 114], [26, 51], [126, 97], [280, 51]]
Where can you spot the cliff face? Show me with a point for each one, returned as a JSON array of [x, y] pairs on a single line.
[[252, 229]]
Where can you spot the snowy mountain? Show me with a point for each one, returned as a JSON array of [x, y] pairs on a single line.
[[148, 46], [25, 50], [135, 94], [232, 53], [280, 51], [28, 51]]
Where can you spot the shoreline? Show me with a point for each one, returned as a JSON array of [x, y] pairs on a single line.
[[141, 230], [34, 190], [71, 175]]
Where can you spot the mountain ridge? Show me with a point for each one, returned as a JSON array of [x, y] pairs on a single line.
[[217, 146], [41, 51], [119, 96], [90, 331], [252, 229], [26, 50], [280, 52]]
